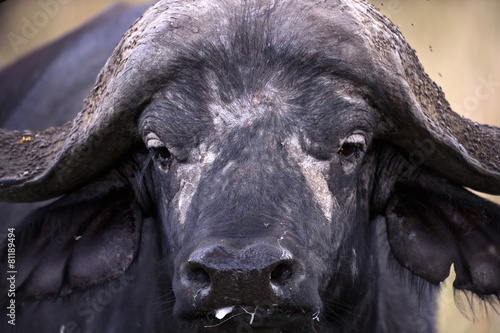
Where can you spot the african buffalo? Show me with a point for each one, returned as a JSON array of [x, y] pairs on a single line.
[[251, 166]]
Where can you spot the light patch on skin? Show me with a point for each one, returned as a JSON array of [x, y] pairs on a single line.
[[252, 314], [188, 188], [244, 112], [316, 314], [315, 172], [351, 199], [285, 254], [354, 265], [228, 166], [277, 290], [492, 250], [202, 292], [191, 175]]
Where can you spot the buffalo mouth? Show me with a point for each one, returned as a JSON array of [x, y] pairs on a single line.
[[253, 318]]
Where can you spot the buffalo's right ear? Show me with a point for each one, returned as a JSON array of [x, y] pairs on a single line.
[[86, 238]]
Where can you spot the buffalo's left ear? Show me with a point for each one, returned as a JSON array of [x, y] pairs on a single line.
[[432, 223], [86, 238]]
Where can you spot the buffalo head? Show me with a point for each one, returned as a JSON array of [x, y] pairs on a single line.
[[275, 144]]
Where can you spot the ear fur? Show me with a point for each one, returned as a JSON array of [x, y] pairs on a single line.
[[432, 223], [86, 238]]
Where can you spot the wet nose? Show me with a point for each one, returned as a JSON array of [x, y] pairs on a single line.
[[260, 274]]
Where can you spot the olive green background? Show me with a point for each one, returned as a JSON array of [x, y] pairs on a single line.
[[457, 41]]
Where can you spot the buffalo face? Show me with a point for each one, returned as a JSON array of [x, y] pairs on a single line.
[[260, 176]]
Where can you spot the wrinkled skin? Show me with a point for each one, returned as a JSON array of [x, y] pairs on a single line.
[[264, 196]]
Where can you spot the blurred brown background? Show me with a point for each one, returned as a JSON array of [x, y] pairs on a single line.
[[457, 41]]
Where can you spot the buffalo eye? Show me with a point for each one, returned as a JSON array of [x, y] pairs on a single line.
[[354, 145], [349, 150], [162, 156]]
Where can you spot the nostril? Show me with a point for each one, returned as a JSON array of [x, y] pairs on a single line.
[[198, 275], [282, 273]]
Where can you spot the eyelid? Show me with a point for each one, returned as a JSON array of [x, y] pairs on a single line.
[[153, 141], [353, 145], [356, 139]]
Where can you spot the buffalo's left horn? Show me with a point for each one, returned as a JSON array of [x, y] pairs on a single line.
[[418, 115]]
